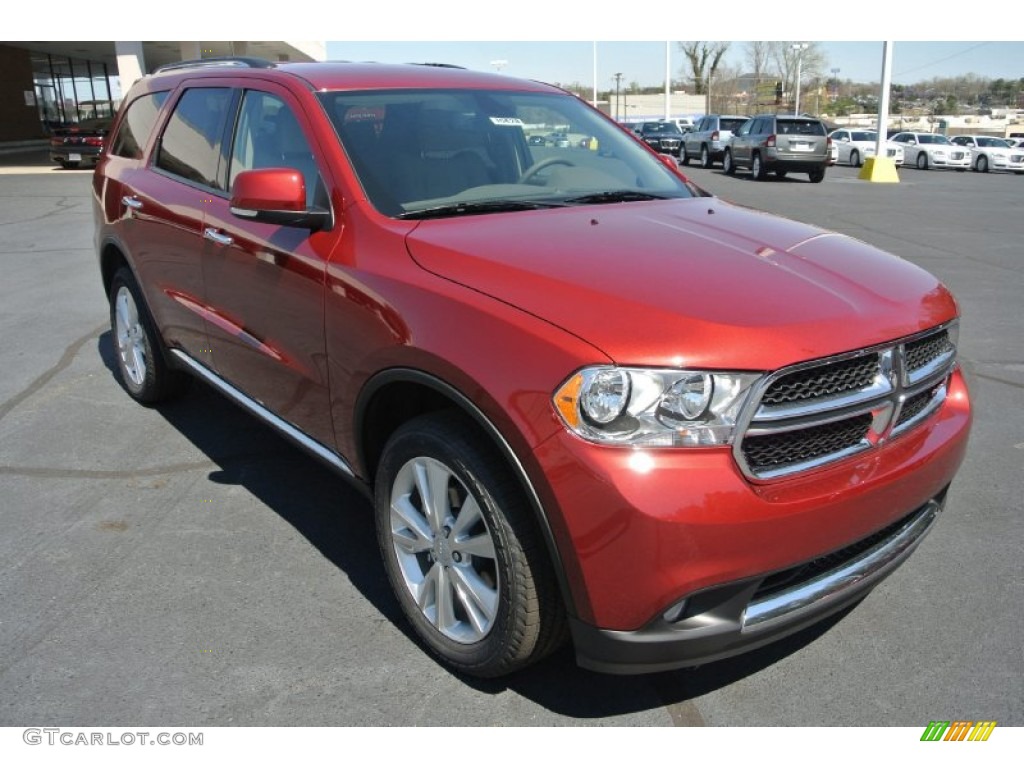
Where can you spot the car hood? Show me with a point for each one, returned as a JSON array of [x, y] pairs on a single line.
[[696, 282]]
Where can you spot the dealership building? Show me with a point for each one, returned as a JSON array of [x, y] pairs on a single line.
[[45, 85]]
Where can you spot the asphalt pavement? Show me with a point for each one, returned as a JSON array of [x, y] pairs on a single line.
[[184, 566]]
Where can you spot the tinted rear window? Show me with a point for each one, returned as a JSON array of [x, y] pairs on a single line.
[[137, 124], [731, 123], [801, 127], [191, 142]]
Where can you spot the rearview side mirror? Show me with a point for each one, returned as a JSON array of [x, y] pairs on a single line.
[[276, 196]]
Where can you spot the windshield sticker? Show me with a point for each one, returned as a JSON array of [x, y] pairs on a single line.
[[507, 121]]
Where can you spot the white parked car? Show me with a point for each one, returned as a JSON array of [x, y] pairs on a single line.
[[932, 150], [856, 146], [990, 153]]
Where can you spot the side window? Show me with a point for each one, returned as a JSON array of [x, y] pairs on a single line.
[[137, 124], [191, 144], [268, 135]]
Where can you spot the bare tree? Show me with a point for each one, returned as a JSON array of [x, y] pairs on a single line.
[[704, 59], [813, 62], [758, 56]]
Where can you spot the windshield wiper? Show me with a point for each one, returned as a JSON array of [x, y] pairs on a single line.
[[614, 196], [470, 209]]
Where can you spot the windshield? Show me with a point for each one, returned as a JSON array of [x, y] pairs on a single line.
[[661, 128], [864, 136], [987, 142], [456, 152], [931, 138]]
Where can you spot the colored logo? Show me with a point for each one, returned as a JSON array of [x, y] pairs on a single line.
[[958, 730]]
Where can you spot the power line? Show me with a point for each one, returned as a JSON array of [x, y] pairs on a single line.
[[939, 61]]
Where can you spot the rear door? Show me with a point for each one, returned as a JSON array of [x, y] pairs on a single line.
[[164, 203]]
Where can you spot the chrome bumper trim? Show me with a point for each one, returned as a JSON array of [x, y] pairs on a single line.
[[839, 584]]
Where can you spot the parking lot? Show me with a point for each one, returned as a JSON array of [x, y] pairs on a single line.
[[185, 566]]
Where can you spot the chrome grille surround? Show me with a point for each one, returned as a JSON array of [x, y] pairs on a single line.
[[811, 414]]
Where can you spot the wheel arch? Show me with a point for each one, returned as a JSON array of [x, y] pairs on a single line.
[[392, 397]]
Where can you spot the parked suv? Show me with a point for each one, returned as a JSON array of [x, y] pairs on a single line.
[[779, 144], [663, 136], [708, 139], [586, 398]]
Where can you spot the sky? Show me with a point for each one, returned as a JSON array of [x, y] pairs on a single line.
[[553, 42], [572, 61]]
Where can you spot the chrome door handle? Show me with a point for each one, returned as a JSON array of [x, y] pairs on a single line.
[[130, 201], [219, 238]]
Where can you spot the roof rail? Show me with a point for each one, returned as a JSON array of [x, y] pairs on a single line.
[[436, 64], [218, 61]]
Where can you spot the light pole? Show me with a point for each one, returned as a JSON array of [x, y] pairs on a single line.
[[799, 48], [835, 84], [618, 82]]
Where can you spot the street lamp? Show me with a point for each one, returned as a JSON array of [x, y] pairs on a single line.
[[799, 48], [835, 83]]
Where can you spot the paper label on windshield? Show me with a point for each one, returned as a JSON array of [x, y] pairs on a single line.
[[507, 121]]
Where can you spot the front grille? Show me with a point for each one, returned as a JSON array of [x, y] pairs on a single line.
[[812, 414], [823, 381], [768, 452], [923, 351]]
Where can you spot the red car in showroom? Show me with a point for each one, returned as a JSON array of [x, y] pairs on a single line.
[[587, 399]]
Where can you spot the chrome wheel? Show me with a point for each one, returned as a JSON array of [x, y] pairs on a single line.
[[444, 550], [131, 338]]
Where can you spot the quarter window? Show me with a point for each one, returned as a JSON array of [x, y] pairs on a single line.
[[191, 144], [137, 124]]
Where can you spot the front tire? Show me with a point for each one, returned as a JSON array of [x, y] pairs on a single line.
[[922, 161], [982, 164], [462, 551], [143, 370], [855, 159], [728, 167], [684, 159]]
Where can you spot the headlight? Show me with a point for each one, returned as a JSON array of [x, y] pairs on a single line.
[[653, 407]]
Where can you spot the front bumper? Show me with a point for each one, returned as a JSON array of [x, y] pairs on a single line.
[[746, 615], [670, 554]]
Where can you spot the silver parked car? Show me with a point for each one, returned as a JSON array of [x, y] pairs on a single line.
[[779, 144], [709, 138]]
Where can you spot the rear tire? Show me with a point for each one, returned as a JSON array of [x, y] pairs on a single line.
[[684, 159], [757, 170], [141, 364], [462, 551], [705, 157], [855, 159], [817, 176], [781, 174], [728, 167]]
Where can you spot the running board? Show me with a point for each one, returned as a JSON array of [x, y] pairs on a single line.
[[287, 429]]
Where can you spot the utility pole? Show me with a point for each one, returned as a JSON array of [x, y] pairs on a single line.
[[835, 83], [618, 83], [799, 48]]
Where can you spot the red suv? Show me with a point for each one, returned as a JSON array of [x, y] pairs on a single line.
[[586, 398]]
